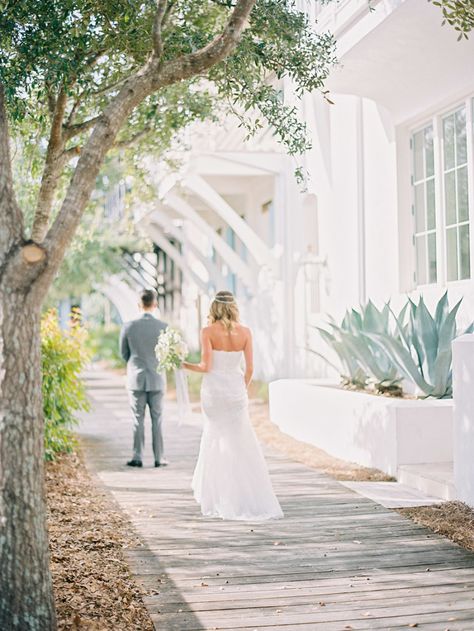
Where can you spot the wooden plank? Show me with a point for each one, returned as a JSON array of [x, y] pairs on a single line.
[[372, 568], [321, 615], [310, 597]]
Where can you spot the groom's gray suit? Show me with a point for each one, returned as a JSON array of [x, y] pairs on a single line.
[[137, 345]]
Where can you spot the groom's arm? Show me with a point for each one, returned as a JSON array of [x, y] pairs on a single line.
[[124, 347]]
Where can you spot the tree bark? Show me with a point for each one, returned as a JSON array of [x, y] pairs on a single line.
[[53, 168], [26, 272], [26, 595]]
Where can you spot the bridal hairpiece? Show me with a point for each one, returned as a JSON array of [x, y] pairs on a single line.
[[225, 300]]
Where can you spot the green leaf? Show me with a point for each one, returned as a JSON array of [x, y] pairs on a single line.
[[426, 336], [403, 359], [442, 309]]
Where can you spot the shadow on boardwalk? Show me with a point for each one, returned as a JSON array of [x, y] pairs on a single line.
[[337, 561]]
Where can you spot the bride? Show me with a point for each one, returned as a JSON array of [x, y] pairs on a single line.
[[231, 479]]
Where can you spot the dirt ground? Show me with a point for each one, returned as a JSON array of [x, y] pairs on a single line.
[[309, 455], [93, 586], [454, 520]]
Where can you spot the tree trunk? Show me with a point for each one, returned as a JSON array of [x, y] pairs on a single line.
[[26, 272], [26, 596]]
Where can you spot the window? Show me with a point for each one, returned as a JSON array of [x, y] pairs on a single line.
[[456, 197], [424, 208], [442, 176]]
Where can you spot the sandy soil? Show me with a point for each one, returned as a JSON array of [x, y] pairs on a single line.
[[308, 454]]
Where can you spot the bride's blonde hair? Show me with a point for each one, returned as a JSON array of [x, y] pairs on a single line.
[[224, 309]]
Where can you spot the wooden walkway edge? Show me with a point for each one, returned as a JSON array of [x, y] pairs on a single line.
[[336, 562]]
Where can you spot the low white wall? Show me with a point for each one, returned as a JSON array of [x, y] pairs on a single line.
[[370, 430], [463, 384]]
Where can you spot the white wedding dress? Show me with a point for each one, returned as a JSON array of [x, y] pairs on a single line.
[[231, 479]]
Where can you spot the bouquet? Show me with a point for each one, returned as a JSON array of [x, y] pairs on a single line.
[[170, 350]]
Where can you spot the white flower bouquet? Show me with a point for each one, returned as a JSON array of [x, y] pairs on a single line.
[[171, 350]]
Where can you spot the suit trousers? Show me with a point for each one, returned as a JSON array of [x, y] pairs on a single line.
[[139, 399]]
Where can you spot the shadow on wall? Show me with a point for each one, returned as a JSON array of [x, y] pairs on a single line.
[[262, 314], [374, 426]]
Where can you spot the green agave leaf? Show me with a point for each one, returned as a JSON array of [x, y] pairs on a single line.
[[447, 332], [401, 328], [386, 316], [442, 309], [402, 314], [327, 337], [442, 374], [469, 329], [427, 337], [402, 357], [352, 365], [345, 324], [373, 319], [359, 349], [356, 319], [352, 321], [337, 330], [382, 364], [414, 341], [347, 360]]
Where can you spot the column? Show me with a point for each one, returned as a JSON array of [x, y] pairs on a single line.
[[463, 443]]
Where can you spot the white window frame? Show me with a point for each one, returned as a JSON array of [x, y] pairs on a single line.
[[436, 119], [456, 225], [426, 232]]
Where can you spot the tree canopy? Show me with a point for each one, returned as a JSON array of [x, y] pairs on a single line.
[[63, 61]]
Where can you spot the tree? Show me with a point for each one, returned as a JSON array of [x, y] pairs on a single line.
[[77, 79], [457, 13]]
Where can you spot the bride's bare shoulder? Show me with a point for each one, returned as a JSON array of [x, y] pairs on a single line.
[[245, 330]]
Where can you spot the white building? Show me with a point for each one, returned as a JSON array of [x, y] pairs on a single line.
[[390, 197]]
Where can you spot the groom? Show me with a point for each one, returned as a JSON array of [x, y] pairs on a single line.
[[138, 339]]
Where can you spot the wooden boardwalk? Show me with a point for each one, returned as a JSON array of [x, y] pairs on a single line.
[[336, 562]]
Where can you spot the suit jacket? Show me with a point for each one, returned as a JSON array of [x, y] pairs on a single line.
[[138, 339]]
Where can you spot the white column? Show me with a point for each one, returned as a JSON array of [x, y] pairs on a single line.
[[463, 389], [152, 231], [233, 260], [160, 217], [255, 245], [122, 296]]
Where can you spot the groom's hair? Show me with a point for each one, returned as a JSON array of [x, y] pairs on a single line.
[[147, 298]]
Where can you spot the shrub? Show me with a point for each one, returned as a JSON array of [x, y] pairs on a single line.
[[422, 348], [364, 361], [103, 344], [381, 348], [63, 357]]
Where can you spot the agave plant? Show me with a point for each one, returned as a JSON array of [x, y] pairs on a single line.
[[375, 361], [363, 359], [421, 348], [351, 372]]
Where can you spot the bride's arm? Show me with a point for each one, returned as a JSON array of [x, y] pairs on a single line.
[[248, 354], [206, 355]]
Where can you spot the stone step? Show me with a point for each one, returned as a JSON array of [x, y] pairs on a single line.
[[392, 494], [435, 479]]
